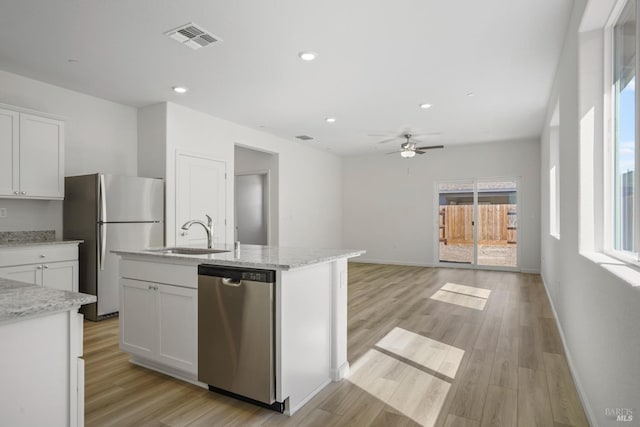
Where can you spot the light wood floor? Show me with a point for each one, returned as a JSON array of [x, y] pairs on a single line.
[[471, 357]]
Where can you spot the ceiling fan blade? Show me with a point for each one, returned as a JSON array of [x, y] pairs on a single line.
[[429, 147], [426, 134], [393, 152], [419, 152], [384, 141]]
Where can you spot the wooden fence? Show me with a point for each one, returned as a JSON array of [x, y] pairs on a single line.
[[497, 224]]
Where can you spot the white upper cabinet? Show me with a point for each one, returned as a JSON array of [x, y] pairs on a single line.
[[31, 155], [9, 151]]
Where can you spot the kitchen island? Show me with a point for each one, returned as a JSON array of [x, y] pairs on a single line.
[[159, 313], [42, 374]]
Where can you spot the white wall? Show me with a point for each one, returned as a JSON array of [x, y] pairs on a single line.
[[388, 205], [309, 182], [249, 161], [100, 136], [596, 301]]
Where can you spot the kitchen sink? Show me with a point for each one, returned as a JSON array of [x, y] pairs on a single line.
[[189, 251]]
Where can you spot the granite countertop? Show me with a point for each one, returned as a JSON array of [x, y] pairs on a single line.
[[31, 238], [19, 300], [37, 243], [255, 256]]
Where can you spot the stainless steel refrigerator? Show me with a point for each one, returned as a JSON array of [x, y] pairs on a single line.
[[110, 212]]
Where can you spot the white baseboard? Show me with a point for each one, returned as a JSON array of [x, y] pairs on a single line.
[[581, 393], [388, 262], [340, 373], [292, 410], [175, 373], [425, 264]]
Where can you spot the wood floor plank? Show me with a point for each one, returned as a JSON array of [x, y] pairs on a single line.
[[500, 408], [534, 408], [502, 351], [565, 404], [455, 421], [470, 396]]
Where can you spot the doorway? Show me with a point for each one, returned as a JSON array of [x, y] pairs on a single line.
[[252, 208], [478, 223], [255, 196]]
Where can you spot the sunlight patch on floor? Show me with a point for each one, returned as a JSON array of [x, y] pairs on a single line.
[[467, 290], [401, 372], [409, 390], [431, 354], [459, 299]]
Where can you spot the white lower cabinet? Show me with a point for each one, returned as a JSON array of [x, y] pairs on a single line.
[[23, 273], [159, 322], [56, 266]]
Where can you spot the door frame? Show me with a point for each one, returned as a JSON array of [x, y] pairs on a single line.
[[267, 174], [436, 225]]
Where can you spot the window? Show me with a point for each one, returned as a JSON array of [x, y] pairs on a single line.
[[623, 145], [554, 173]]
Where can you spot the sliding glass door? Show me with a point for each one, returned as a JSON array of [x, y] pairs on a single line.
[[478, 223]]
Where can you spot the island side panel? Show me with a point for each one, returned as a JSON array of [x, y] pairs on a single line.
[[304, 319], [339, 362], [36, 384]]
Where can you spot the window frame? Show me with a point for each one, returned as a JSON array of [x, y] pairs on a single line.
[[609, 110]]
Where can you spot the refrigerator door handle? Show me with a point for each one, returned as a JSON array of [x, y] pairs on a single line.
[[103, 243], [103, 200]]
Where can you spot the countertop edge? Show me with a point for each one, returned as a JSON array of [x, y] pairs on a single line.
[[211, 259]]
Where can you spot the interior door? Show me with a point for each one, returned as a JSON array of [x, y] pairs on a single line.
[[200, 191], [251, 208]]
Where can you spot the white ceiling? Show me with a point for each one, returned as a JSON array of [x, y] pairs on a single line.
[[378, 60]]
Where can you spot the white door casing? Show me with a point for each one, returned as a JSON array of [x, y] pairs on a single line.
[[200, 191]]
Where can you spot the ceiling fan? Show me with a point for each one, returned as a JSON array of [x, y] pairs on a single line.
[[409, 148]]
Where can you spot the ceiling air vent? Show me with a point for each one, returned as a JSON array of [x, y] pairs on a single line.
[[193, 35], [304, 137]]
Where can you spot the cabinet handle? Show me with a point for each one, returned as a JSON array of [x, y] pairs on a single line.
[[45, 266], [38, 267], [153, 288], [43, 256], [23, 192], [16, 192]]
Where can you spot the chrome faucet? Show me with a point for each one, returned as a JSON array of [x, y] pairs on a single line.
[[208, 227]]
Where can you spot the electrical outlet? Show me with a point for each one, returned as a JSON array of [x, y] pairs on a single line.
[[3, 212]]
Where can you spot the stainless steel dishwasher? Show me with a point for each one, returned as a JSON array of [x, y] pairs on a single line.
[[236, 333]]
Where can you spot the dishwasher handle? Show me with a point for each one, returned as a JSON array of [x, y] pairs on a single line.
[[230, 282]]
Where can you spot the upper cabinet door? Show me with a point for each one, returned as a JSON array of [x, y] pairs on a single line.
[[41, 157], [9, 152]]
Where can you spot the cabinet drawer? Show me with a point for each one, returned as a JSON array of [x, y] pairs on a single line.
[[170, 274], [38, 254]]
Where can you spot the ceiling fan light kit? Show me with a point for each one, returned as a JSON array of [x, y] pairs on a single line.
[[407, 153]]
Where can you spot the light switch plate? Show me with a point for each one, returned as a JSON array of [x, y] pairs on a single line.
[[3, 212]]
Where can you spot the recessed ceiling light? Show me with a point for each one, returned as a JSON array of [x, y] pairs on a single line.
[[307, 55], [470, 94], [330, 120], [180, 89], [425, 106]]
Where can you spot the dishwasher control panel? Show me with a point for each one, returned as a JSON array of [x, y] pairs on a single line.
[[237, 273]]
